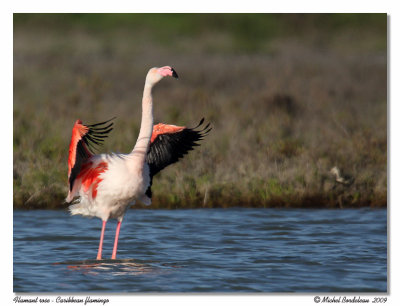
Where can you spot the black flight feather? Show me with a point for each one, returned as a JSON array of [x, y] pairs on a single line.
[[168, 148]]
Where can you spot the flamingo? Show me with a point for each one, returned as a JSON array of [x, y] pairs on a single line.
[[105, 185]]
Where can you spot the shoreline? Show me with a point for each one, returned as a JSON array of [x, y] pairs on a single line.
[[307, 202]]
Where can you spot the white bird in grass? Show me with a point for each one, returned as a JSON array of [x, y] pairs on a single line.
[[345, 179], [107, 184]]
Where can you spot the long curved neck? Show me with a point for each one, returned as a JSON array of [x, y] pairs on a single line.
[[146, 127]]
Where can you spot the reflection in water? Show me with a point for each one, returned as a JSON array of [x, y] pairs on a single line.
[[113, 266]]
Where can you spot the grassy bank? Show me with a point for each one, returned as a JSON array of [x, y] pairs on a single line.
[[289, 97]]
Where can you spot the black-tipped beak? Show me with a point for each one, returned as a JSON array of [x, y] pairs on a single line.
[[174, 74]]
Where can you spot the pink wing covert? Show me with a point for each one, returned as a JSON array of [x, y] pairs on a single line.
[[162, 128]]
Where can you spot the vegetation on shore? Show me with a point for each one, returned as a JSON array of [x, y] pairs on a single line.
[[289, 96]]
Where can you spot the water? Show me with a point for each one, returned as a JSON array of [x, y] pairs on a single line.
[[207, 250]]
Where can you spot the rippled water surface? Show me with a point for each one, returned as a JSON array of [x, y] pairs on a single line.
[[208, 250]]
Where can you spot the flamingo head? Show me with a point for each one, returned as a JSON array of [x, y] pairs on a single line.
[[156, 74]]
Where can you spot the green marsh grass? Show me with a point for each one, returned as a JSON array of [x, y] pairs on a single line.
[[289, 96]]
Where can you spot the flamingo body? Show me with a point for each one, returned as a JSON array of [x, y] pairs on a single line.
[[109, 183]]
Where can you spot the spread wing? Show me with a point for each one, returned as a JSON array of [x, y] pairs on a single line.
[[169, 143], [84, 141]]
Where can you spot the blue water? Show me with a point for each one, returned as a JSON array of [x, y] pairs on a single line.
[[205, 250]]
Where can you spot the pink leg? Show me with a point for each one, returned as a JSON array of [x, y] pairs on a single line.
[[101, 240], [114, 253]]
